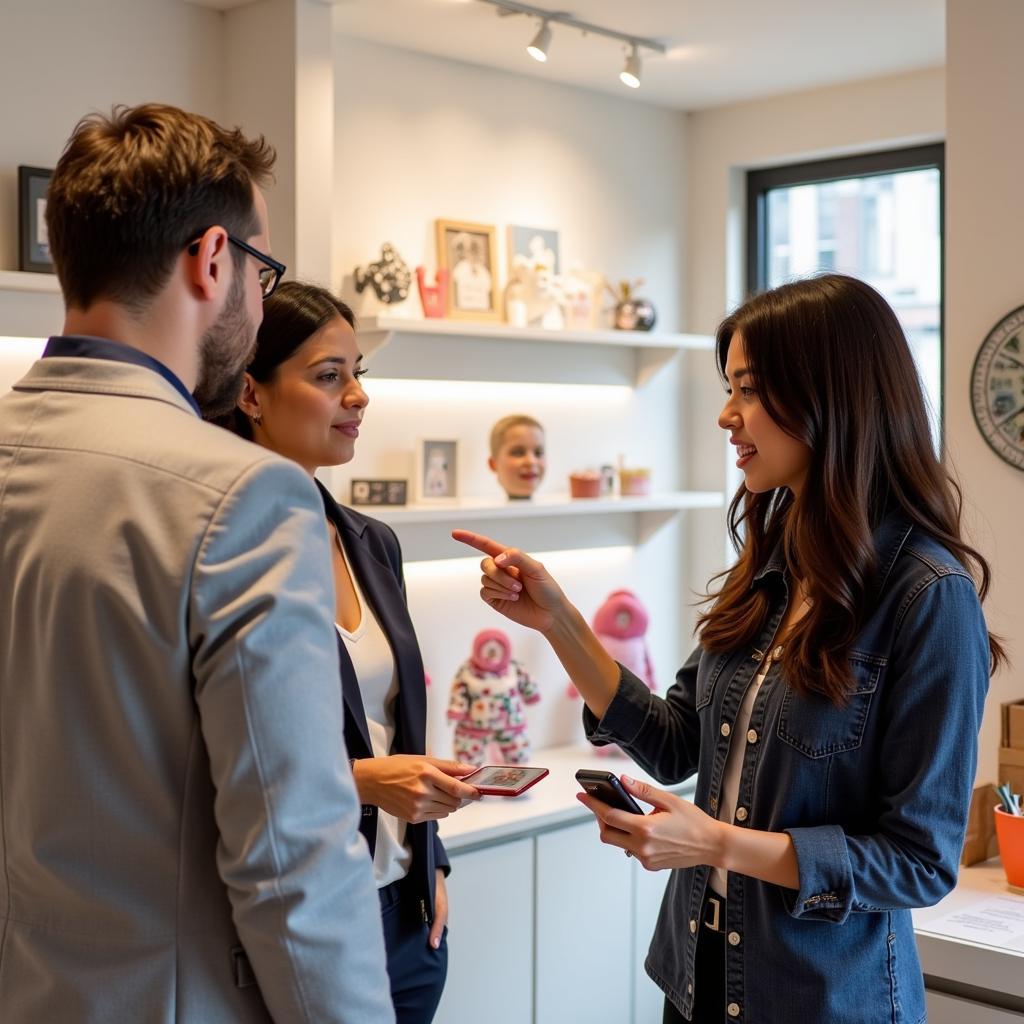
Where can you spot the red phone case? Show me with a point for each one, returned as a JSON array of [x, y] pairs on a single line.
[[504, 791]]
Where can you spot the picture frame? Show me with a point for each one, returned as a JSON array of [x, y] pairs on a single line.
[[378, 492], [436, 472], [468, 253], [536, 248], [33, 238]]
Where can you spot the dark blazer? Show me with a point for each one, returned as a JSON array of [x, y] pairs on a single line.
[[376, 559]]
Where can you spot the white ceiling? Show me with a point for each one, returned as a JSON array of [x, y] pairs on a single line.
[[720, 51]]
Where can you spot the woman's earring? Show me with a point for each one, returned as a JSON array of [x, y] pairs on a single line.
[[257, 418]]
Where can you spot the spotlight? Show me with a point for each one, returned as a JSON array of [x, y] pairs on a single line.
[[538, 49], [630, 74]]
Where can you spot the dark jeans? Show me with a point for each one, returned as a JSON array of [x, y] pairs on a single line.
[[709, 975], [416, 971]]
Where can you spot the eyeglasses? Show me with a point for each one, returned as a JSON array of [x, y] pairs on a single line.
[[270, 273]]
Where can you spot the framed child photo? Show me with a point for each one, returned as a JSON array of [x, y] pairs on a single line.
[[33, 237], [436, 470], [467, 251]]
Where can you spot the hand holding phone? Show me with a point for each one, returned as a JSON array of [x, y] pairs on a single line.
[[606, 787], [504, 780]]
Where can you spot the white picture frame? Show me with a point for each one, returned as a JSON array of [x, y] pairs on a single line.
[[436, 470]]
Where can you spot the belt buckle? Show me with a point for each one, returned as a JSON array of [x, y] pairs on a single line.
[[713, 914]]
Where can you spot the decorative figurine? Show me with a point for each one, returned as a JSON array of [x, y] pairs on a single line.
[[487, 698], [389, 276], [621, 625], [632, 313], [517, 455], [433, 297]]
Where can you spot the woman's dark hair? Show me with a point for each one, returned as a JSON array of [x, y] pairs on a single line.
[[832, 368], [291, 316]]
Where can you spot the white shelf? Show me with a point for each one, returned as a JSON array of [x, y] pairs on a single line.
[[408, 349], [376, 331], [23, 281], [550, 803], [555, 505]]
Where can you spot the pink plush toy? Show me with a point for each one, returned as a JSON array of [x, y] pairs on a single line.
[[621, 624], [487, 698]]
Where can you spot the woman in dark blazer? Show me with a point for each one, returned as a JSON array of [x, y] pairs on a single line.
[[302, 398]]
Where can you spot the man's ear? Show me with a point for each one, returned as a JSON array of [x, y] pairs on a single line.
[[208, 261], [249, 400]]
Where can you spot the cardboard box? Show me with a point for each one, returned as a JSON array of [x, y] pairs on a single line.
[[1013, 724], [980, 840], [1011, 768]]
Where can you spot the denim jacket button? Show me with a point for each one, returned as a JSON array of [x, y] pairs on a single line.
[[733, 1009], [714, 803], [689, 989], [726, 729], [751, 735], [734, 938], [741, 814], [693, 927], [777, 653]]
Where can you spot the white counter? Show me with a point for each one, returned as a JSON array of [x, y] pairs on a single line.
[[972, 972], [549, 804]]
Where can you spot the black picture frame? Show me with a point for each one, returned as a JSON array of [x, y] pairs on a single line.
[[33, 244], [379, 492]]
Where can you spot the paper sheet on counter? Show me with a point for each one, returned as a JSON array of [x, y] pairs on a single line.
[[995, 921]]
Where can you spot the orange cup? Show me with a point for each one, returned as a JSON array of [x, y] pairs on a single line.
[[1010, 833]]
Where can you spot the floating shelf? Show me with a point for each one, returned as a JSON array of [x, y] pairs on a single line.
[[407, 349], [23, 281], [479, 509], [377, 331], [552, 523]]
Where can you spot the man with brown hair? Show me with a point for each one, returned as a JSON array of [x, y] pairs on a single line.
[[178, 823]]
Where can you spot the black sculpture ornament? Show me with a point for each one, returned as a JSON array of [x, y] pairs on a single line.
[[389, 276]]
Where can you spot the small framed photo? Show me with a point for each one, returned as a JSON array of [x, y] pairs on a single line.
[[33, 238], [467, 252], [534, 248], [437, 470], [378, 492]]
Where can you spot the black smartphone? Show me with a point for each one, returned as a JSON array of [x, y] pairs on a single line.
[[607, 788]]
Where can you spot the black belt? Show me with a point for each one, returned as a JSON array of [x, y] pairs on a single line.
[[713, 916]]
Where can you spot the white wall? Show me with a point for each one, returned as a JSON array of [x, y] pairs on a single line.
[[420, 138], [60, 59], [984, 219]]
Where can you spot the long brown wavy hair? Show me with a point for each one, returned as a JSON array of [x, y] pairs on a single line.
[[832, 368]]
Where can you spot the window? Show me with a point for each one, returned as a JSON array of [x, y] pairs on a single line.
[[877, 217]]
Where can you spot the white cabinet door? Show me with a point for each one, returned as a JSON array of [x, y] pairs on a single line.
[[584, 966], [648, 890], [944, 1009], [490, 937]]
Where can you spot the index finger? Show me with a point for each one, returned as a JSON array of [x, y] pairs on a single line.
[[624, 821], [479, 541]]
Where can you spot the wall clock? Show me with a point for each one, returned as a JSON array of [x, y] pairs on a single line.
[[997, 388]]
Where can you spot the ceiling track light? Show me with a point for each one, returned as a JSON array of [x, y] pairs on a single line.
[[538, 49], [541, 43], [630, 74]]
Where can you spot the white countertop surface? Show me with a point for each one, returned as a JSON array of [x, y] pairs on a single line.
[[985, 964], [551, 802]]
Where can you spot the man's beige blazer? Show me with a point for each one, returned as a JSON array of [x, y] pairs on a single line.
[[177, 817]]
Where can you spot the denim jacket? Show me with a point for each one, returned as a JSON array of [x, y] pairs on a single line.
[[874, 795]]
